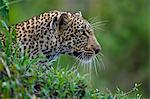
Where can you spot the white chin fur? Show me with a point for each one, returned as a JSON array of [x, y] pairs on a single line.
[[86, 61]]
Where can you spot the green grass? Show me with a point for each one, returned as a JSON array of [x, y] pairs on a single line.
[[20, 77]]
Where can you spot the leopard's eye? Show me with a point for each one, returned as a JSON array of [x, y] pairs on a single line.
[[89, 32], [83, 32]]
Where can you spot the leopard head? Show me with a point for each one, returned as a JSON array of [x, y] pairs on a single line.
[[77, 37]]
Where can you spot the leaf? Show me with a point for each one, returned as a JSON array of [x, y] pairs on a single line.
[[4, 9], [0, 44]]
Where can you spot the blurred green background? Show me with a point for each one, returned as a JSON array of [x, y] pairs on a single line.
[[123, 37]]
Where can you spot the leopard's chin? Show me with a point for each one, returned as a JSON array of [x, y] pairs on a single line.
[[84, 57], [86, 61]]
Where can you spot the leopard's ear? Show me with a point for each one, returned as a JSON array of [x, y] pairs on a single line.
[[78, 13], [63, 21]]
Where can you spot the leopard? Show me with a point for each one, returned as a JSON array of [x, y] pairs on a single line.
[[55, 33]]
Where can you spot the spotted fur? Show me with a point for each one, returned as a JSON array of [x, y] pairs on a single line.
[[54, 33]]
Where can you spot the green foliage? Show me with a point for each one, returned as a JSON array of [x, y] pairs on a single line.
[[4, 9], [21, 77]]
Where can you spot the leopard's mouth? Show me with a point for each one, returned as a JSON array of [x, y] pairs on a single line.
[[85, 57]]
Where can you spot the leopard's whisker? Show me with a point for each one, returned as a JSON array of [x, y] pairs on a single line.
[[79, 57], [98, 62], [100, 22], [98, 25], [93, 19], [88, 65], [90, 70], [75, 61], [78, 64], [81, 63], [101, 54], [101, 61], [85, 65], [95, 65], [98, 28]]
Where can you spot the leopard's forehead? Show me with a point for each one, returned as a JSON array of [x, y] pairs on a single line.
[[71, 15], [76, 19]]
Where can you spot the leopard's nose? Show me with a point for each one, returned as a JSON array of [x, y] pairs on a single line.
[[97, 50]]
